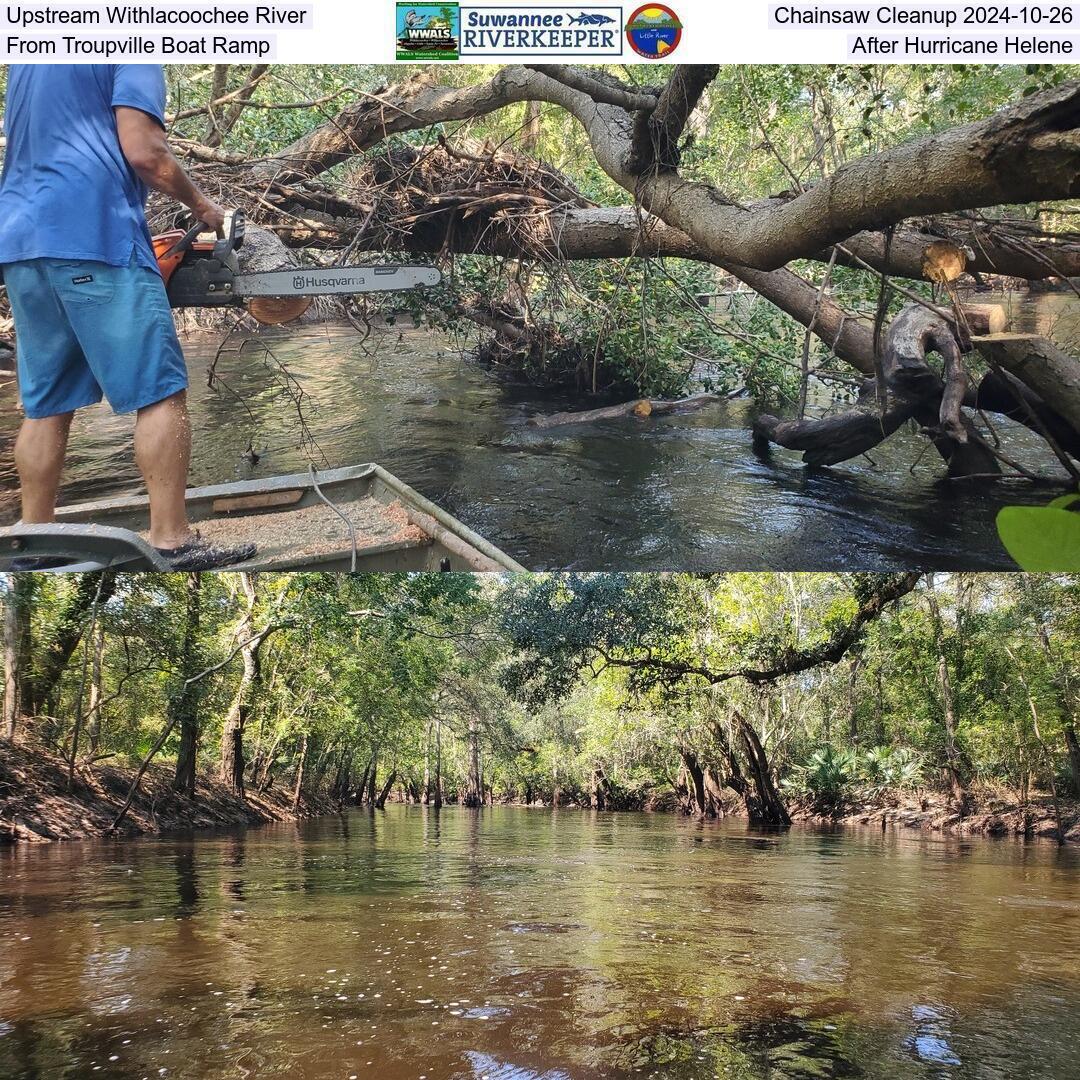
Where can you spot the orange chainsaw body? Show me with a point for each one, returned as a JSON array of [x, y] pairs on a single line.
[[169, 252]]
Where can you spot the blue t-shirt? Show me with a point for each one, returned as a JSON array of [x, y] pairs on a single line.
[[67, 191]]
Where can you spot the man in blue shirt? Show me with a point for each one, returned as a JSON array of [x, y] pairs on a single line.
[[84, 143]]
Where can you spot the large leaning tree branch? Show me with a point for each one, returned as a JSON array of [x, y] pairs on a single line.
[[888, 589], [1025, 152]]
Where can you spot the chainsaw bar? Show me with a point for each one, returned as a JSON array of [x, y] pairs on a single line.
[[335, 281]]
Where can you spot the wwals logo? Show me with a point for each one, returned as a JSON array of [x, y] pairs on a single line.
[[428, 31], [654, 31]]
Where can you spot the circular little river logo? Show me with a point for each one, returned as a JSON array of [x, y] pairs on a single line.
[[654, 30]]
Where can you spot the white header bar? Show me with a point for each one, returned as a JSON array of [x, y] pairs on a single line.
[[686, 31]]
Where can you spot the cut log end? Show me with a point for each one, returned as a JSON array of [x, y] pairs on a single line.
[[275, 310], [943, 262]]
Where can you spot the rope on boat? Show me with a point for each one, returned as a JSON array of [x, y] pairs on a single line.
[[348, 524]]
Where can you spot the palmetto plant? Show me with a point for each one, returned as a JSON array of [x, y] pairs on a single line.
[[832, 778]]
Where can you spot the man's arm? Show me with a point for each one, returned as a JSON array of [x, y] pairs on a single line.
[[143, 143]]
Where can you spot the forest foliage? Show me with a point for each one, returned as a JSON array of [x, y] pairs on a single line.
[[705, 693]]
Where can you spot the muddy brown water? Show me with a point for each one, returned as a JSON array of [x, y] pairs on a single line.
[[520, 944], [676, 492]]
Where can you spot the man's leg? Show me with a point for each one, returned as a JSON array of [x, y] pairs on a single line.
[[39, 458], [163, 452]]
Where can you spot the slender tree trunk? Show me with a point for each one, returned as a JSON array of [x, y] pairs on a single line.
[[953, 761], [438, 766], [474, 792], [44, 681], [269, 760], [853, 700], [299, 786], [427, 762], [17, 604], [879, 707], [93, 716], [530, 132], [371, 778], [380, 802], [186, 702], [361, 790], [957, 788], [232, 735]]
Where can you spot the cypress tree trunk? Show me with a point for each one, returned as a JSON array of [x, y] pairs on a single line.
[[764, 805], [696, 774]]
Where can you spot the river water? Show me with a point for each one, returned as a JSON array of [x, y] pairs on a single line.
[[670, 493], [522, 944]]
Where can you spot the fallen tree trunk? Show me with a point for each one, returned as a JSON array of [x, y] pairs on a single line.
[[913, 391], [1038, 363], [1005, 394], [640, 408], [1024, 152]]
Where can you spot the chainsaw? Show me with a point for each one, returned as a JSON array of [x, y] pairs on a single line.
[[206, 273]]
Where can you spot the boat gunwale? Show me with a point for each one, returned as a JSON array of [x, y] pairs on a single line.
[[443, 528]]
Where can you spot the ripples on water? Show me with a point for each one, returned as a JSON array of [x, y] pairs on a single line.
[[671, 493], [526, 945]]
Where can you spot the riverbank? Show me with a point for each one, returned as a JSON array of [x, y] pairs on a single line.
[[992, 814], [36, 805]]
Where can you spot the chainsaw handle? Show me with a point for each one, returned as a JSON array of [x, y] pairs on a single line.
[[226, 245], [185, 241]]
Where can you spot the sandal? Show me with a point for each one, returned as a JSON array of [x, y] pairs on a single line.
[[200, 554]]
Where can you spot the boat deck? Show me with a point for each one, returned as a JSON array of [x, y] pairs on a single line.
[[309, 531]]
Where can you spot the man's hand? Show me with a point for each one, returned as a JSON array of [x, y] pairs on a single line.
[[143, 142], [210, 214]]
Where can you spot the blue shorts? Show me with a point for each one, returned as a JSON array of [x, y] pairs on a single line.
[[86, 328]]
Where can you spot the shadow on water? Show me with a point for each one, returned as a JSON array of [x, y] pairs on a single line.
[[676, 492], [530, 945]]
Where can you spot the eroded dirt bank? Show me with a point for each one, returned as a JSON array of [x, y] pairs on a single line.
[[36, 804]]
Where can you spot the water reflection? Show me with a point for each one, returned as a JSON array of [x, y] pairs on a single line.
[[680, 492], [530, 944]]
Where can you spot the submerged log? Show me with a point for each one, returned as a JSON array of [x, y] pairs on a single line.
[[641, 408], [835, 438]]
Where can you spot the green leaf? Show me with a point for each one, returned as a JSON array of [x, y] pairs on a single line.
[[1042, 538]]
